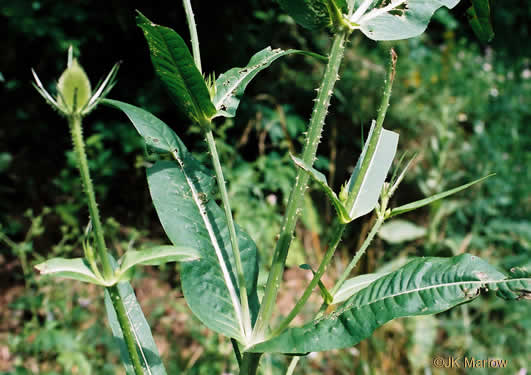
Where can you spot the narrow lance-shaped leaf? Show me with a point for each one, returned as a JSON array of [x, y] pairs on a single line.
[[156, 256], [372, 183], [422, 287], [231, 85], [182, 195], [396, 19], [423, 202], [479, 19], [75, 269], [147, 349], [175, 67], [321, 180]]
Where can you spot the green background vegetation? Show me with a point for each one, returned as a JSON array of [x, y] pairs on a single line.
[[464, 106]]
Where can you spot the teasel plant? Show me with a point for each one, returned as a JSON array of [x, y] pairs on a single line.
[[219, 263]]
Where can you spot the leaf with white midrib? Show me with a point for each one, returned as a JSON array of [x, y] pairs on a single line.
[[146, 347], [397, 19], [231, 85], [183, 198], [423, 286], [208, 225], [175, 66]]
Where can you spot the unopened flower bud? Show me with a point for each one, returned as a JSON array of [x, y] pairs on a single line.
[[73, 88]]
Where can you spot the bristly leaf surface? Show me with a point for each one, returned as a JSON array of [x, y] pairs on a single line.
[[423, 286], [231, 85], [175, 66]]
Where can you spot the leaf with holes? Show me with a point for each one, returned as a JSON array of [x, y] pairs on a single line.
[[182, 192], [175, 66], [231, 85], [422, 287], [396, 19]]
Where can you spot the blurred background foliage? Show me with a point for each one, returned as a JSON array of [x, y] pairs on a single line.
[[462, 105]]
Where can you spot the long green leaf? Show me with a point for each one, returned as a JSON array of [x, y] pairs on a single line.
[[479, 19], [182, 195], [396, 19], [75, 269], [374, 178], [156, 256], [175, 67], [422, 287], [190, 217], [323, 184], [147, 349], [231, 85], [423, 202]]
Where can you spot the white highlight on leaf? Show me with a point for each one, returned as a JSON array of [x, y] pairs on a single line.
[[215, 244], [374, 178], [129, 304], [354, 285], [361, 11], [376, 12]]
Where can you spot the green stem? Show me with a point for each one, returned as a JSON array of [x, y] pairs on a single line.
[[193, 33], [295, 201], [292, 365], [376, 227], [338, 233], [125, 325], [249, 364], [375, 137], [81, 156], [353, 263], [336, 239], [246, 316], [236, 350]]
